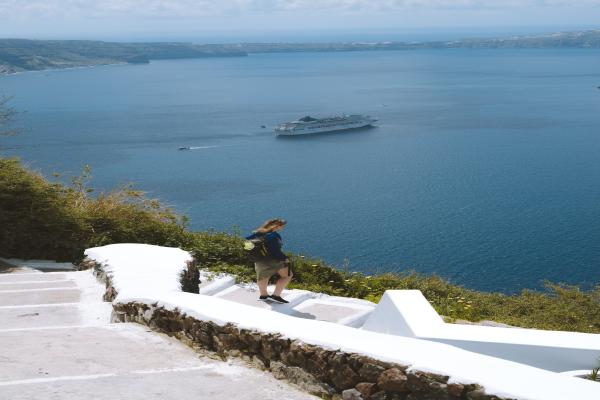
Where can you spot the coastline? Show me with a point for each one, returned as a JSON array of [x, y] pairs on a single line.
[[266, 52], [63, 69], [36, 52]]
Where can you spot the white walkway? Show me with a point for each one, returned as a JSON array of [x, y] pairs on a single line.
[[57, 343]]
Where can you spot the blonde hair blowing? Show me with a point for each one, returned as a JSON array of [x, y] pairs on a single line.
[[270, 225]]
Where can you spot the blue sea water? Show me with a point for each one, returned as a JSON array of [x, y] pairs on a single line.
[[484, 168]]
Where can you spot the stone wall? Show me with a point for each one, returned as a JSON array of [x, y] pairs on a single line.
[[322, 372], [110, 293]]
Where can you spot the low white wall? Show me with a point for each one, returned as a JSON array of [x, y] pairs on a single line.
[[500, 377], [408, 313]]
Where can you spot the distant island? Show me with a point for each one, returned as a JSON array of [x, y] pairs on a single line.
[[17, 55], [579, 39]]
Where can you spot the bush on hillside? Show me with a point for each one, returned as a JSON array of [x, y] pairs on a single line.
[[126, 216], [42, 219], [36, 218], [211, 248]]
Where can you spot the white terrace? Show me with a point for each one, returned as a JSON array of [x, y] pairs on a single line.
[[403, 327]]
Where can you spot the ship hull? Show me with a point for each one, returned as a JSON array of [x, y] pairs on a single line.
[[314, 130]]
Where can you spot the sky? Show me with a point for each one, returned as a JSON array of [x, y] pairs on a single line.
[[233, 20]]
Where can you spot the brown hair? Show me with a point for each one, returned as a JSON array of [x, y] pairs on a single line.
[[270, 224]]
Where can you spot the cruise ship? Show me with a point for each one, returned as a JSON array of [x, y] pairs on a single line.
[[308, 124]]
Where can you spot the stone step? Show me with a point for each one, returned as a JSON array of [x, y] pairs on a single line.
[[33, 277], [29, 285], [65, 349], [122, 361], [209, 379], [249, 296], [343, 313], [33, 297], [47, 353], [304, 304], [40, 265], [211, 284], [4, 269], [39, 316]]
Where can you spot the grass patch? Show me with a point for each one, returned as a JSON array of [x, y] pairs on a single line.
[[44, 219], [593, 376]]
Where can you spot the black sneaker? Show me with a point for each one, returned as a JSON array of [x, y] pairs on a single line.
[[266, 298], [278, 299]]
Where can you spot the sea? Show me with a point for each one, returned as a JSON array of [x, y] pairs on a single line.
[[484, 166]]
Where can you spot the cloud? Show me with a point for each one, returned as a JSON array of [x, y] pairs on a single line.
[[185, 8]]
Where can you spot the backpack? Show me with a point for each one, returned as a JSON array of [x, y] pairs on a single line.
[[256, 248]]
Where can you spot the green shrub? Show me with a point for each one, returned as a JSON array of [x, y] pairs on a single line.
[[36, 218], [594, 375], [211, 248], [125, 216], [243, 273], [41, 219]]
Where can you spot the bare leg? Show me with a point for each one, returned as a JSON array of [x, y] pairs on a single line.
[[285, 278], [262, 286]]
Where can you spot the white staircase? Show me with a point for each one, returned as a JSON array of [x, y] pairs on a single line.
[[302, 303]]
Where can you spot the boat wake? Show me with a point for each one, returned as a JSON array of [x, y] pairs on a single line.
[[197, 147]]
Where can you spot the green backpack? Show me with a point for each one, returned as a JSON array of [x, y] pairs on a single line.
[[256, 248]]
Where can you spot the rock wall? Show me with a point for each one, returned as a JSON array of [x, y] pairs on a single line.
[[322, 372], [110, 293]]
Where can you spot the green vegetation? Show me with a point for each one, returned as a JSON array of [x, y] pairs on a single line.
[[43, 219], [594, 374]]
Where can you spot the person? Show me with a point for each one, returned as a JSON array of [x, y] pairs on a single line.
[[276, 263]]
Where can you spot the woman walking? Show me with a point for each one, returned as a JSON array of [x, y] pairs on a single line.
[[275, 263]]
